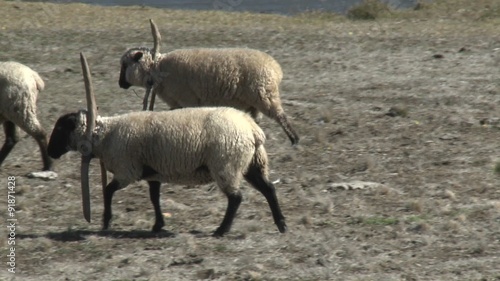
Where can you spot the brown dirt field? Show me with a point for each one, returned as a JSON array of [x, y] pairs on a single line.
[[409, 102]]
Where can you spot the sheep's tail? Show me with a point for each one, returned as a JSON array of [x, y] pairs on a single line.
[[258, 134], [259, 159], [40, 85], [259, 162]]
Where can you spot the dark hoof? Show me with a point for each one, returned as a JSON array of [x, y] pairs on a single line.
[[282, 226], [157, 227], [105, 224], [218, 233]]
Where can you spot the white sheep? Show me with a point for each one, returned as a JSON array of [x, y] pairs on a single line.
[[242, 78], [19, 87], [185, 146]]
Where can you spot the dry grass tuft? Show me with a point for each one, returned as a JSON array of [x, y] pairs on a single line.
[[307, 220], [415, 206], [327, 207], [497, 168], [422, 227], [452, 226], [397, 111], [461, 218], [368, 10], [384, 190], [460, 9], [449, 194]]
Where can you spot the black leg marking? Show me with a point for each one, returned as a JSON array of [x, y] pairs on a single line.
[[108, 196], [11, 139], [255, 177], [147, 172], [154, 194], [41, 139], [233, 203]]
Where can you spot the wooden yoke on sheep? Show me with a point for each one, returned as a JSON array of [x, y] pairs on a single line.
[[156, 54], [85, 147]]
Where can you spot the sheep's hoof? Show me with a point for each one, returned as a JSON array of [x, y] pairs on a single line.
[[105, 222], [157, 227], [282, 226], [218, 233]]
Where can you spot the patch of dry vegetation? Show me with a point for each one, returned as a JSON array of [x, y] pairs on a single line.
[[434, 17], [369, 10]]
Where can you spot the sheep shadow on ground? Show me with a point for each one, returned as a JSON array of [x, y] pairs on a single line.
[[79, 235]]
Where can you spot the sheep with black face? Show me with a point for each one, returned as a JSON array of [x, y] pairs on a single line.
[[245, 79], [185, 146]]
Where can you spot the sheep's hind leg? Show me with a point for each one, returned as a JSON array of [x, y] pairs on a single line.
[[154, 194], [290, 132], [32, 126], [256, 178], [233, 203], [274, 110], [11, 138], [108, 196]]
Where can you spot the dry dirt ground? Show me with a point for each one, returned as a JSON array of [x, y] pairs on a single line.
[[407, 104]]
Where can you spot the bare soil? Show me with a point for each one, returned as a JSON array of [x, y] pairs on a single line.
[[406, 105]]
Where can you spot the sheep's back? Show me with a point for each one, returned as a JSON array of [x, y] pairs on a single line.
[[19, 86], [215, 77], [20, 75]]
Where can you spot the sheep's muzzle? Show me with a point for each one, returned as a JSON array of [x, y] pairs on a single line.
[[123, 79]]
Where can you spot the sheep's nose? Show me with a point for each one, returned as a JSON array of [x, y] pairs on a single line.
[[124, 84]]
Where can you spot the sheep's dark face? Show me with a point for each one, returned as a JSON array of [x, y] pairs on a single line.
[[60, 139], [131, 72]]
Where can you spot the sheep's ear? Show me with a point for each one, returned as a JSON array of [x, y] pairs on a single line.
[[137, 56]]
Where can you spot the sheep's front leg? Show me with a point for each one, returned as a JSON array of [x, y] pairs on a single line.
[[108, 196], [154, 194], [233, 203]]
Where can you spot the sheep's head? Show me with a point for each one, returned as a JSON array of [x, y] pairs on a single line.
[[137, 67], [136, 64], [74, 131], [68, 130]]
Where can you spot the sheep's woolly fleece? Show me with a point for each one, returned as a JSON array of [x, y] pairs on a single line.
[[175, 143]]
